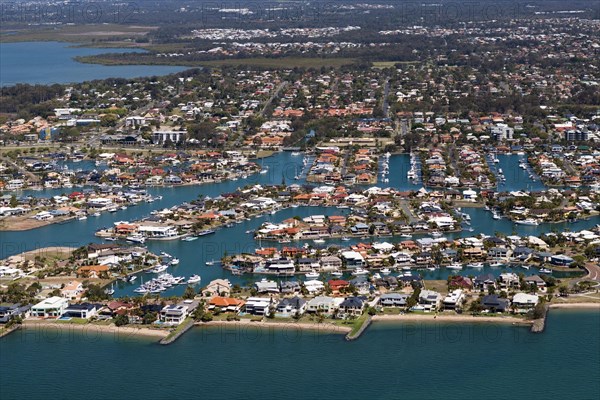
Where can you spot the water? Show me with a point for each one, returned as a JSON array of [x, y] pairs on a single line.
[[52, 62], [409, 361]]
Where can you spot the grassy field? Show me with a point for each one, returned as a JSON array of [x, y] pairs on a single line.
[[390, 64], [77, 34]]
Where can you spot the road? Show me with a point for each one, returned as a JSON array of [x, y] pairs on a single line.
[[593, 275], [275, 94], [32, 177]]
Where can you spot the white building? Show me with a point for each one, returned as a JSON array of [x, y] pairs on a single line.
[[52, 307]]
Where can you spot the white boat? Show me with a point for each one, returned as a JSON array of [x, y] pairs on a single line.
[[136, 238], [496, 160], [312, 275], [284, 241], [436, 234], [360, 271], [385, 271], [525, 266], [110, 291], [111, 239], [406, 235], [527, 221], [345, 238], [123, 207], [475, 265], [496, 216], [140, 290], [194, 279], [96, 214], [212, 262], [496, 264], [132, 278], [158, 269], [337, 273], [174, 261], [82, 217], [190, 238], [455, 266], [263, 171], [319, 241], [545, 271]]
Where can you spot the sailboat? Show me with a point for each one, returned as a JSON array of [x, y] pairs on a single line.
[[110, 291]]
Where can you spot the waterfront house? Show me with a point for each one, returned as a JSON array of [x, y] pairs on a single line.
[[351, 306], [393, 299], [306, 264], [561, 260], [52, 307], [289, 287], [429, 300], [221, 287], [175, 314], [336, 285], [459, 281], [266, 286], [280, 266], [11, 311], [289, 307], [454, 300], [226, 304], [314, 286], [353, 259], [497, 252], [83, 310], [258, 306], [536, 280], [509, 280], [494, 303], [331, 263], [324, 304], [484, 281], [523, 301]]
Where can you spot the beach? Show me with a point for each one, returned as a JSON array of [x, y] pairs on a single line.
[[305, 326], [122, 332], [450, 318], [595, 306]]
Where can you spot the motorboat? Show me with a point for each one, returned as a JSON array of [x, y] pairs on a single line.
[[360, 271], [312, 275], [475, 265], [436, 234], [174, 261], [319, 241], [190, 238], [527, 221], [545, 271], [205, 232], [136, 238], [160, 268], [455, 266], [385, 271], [345, 238], [337, 274], [496, 264], [132, 278], [194, 279]]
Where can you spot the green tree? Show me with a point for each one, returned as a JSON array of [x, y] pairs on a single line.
[[121, 320]]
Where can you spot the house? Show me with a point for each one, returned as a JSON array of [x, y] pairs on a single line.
[[52, 307], [92, 271], [265, 286], [459, 281], [454, 299], [258, 306], [393, 299], [352, 306], [12, 311], [523, 301], [337, 284], [330, 263], [83, 310], [494, 303], [429, 300], [483, 281], [497, 252], [289, 287], [226, 304], [174, 314], [537, 281], [353, 259], [221, 287], [323, 304], [509, 280], [72, 290], [295, 306], [561, 260]]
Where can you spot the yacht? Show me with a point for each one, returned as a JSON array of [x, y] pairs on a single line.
[[159, 269], [406, 235], [284, 241], [194, 279], [319, 241], [345, 238], [475, 265], [528, 221], [525, 266], [136, 238], [386, 271], [360, 271], [205, 232], [110, 291], [312, 275], [96, 214], [545, 271], [212, 262], [190, 238], [82, 217], [132, 278], [455, 266], [174, 261], [436, 234], [496, 216], [496, 264], [337, 274]]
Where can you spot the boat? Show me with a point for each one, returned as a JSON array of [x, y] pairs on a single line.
[[123, 207], [436, 234], [212, 262], [174, 261], [132, 278], [455, 266], [496, 264], [205, 232], [545, 271], [406, 235], [136, 238], [527, 221], [319, 241], [96, 214], [385, 271], [337, 273], [360, 271], [193, 279], [345, 238], [496, 216], [111, 239], [312, 275], [525, 266], [82, 217], [190, 238], [140, 289], [475, 265], [158, 269], [110, 291], [430, 268]]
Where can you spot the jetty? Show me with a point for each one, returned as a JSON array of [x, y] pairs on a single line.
[[540, 323], [176, 334], [359, 329]]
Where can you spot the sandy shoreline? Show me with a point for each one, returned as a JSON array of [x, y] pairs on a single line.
[[118, 332], [449, 318], [323, 327], [576, 305]]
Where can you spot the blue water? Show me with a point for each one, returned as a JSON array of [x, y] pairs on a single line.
[[391, 361], [52, 62]]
